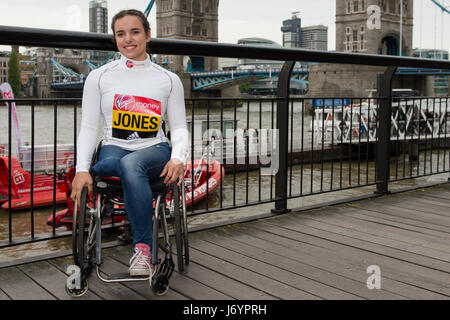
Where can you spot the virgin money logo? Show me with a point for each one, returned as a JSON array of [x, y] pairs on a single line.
[[124, 102], [7, 95]]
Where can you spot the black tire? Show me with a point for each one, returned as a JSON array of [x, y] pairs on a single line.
[[184, 226], [83, 239], [178, 232], [77, 228], [160, 284], [78, 292]]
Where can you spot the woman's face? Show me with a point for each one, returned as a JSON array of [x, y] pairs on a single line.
[[131, 38]]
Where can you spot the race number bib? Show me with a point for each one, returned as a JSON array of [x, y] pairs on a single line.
[[135, 117]]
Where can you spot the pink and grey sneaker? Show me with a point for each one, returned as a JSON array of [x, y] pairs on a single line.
[[140, 264]]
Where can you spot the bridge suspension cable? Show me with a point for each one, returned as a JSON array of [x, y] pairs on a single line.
[[149, 8], [444, 9], [92, 66], [66, 72]]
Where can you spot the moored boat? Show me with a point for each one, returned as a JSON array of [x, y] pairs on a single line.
[[43, 187]]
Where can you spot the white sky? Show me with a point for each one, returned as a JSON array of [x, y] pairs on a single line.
[[237, 18]]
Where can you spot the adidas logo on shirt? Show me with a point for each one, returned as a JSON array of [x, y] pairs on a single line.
[[133, 136]]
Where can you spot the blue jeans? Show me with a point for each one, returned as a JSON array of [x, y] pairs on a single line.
[[135, 169]]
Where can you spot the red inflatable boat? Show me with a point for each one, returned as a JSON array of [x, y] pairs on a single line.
[[21, 187]]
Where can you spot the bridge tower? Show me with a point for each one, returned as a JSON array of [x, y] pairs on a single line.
[[188, 20], [369, 27], [373, 26]]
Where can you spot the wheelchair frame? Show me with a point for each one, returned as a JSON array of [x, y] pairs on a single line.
[[86, 241]]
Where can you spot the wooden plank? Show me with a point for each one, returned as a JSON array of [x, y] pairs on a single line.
[[349, 266], [356, 258], [413, 213], [18, 286], [376, 239], [369, 216], [4, 296], [299, 225], [424, 198], [389, 219], [224, 284], [436, 247], [436, 192], [288, 275], [240, 268], [334, 258], [52, 279], [414, 228], [429, 209], [328, 281], [407, 214], [183, 284]]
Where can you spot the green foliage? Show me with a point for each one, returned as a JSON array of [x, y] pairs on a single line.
[[244, 87], [14, 72]]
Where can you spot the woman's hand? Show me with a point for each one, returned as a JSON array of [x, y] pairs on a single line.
[[82, 179], [173, 170]]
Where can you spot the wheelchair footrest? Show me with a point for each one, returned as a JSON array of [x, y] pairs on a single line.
[[125, 276], [120, 277]]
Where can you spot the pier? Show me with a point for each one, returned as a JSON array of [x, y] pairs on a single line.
[[385, 244], [321, 253]]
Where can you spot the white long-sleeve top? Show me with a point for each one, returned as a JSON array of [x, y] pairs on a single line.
[[132, 97]]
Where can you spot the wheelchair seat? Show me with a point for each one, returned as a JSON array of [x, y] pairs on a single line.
[[112, 186]]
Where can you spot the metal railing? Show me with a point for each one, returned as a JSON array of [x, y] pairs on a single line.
[[307, 150]]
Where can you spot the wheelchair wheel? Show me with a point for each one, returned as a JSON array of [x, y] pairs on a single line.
[[160, 284], [78, 292], [184, 225], [83, 239], [180, 227]]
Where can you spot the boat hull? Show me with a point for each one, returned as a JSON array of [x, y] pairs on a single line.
[[47, 189]]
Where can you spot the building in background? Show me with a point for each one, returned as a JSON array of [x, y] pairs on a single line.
[[265, 86], [431, 53], [98, 23], [296, 36], [4, 65], [98, 16], [292, 32], [440, 82], [373, 26], [188, 20], [246, 63], [315, 37]]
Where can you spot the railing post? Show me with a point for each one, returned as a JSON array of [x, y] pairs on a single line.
[[284, 79], [384, 132]]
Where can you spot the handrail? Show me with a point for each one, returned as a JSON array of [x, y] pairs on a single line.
[[10, 35]]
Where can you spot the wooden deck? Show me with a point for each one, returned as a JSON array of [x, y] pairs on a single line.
[[315, 254]]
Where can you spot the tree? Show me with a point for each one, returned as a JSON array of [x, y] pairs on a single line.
[[14, 72], [244, 87]]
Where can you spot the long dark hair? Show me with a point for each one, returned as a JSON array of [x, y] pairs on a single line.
[[132, 12]]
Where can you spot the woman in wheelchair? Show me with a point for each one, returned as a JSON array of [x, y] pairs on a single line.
[[132, 95]]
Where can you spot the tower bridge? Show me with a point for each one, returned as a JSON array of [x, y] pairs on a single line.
[[61, 72]]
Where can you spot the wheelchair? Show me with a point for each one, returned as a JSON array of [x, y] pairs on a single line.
[[103, 206]]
